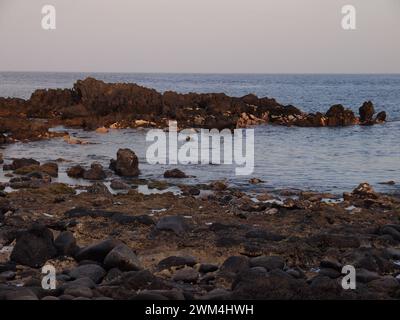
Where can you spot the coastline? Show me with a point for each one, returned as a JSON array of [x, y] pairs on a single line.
[[207, 241]]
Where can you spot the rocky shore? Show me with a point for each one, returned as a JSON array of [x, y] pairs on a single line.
[[211, 242], [94, 105]]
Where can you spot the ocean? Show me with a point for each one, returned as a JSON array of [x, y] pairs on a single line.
[[321, 159]]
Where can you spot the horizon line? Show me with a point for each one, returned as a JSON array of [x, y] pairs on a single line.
[[205, 73]]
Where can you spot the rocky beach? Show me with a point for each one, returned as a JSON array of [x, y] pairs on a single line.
[[108, 239]]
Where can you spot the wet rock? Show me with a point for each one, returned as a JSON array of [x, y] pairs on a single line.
[[175, 261], [123, 258], [269, 263], [102, 130], [218, 186], [367, 112], [381, 117], [119, 185], [365, 191], [189, 275], [95, 172], [19, 163], [98, 251], [76, 172], [50, 168], [175, 174], [339, 116], [99, 189], [126, 164], [34, 247], [176, 224], [65, 244], [91, 271]]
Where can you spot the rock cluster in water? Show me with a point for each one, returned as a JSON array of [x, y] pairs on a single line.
[[94, 104]]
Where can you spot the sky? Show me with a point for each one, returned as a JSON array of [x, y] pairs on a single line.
[[201, 36]]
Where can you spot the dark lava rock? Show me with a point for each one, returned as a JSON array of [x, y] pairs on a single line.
[[381, 117], [269, 263], [97, 252], [34, 247], [123, 258], [273, 286], [20, 163], [235, 264], [118, 185], [175, 173], [80, 282], [176, 224], [13, 293], [339, 116], [390, 230], [140, 280], [189, 275], [65, 244], [100, 189], [330, 273], [95, 172], [367, 112], [91, 271], [174, 261], [127, 163], [207, 268], [78, 291], [365, 276], [76, 172], [50, 168]]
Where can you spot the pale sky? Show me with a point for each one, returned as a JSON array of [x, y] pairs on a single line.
[[205, 36]]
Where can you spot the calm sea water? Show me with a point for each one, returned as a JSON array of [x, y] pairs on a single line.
[[322, 159]]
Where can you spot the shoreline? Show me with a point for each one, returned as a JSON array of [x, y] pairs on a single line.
[[220, 244]]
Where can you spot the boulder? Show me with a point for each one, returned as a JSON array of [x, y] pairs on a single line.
[[367, 112], [175, 173], [95, 172], [76, 172], [126, 164], [339, 116], [34, 247], [123, 258], [91, 271], [176, 224], [65, 244], [98, 251]]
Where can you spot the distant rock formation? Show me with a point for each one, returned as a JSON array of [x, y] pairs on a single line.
[[92, 104]]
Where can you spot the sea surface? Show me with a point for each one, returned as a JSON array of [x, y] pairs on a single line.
[[320, 159]]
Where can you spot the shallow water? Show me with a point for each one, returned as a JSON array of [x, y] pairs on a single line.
[[322, 159]]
